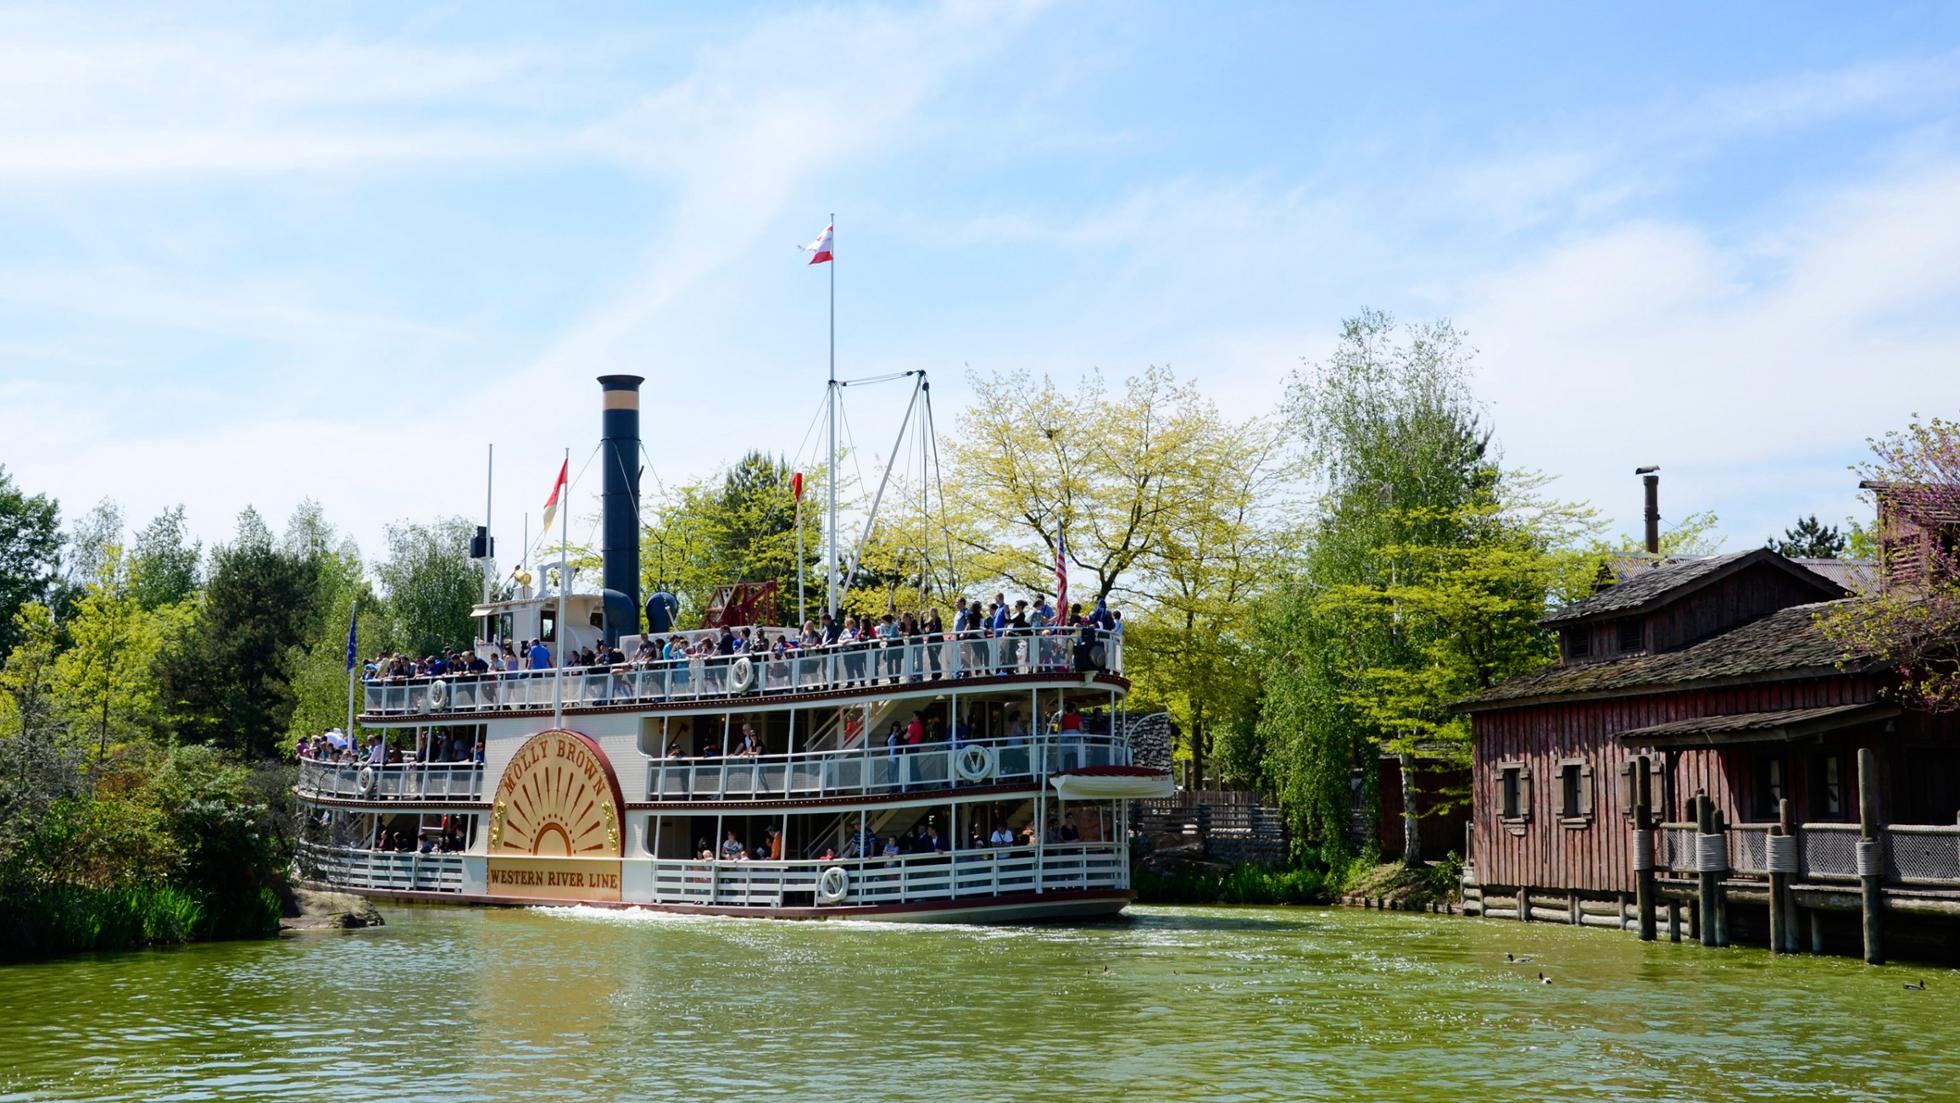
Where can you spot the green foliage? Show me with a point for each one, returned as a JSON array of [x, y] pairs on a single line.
[[163, 562], [30, 550], [1695, 534], [429, 584], [229, 683], [1810, 539], [738, 527], [1246, 884], [1426, 570]]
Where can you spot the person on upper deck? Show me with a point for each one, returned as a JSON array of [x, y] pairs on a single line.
[[831, 629], [997, 622], [1099, 617], [725, 644], [540, 656]]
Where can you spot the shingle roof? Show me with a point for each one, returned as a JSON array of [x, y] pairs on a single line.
[[1677, 576], [1787, 640], [1743, 727]]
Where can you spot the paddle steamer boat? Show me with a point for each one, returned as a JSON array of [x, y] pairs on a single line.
[[608, 785]]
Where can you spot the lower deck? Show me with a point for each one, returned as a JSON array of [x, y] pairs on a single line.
[[1045, 877]]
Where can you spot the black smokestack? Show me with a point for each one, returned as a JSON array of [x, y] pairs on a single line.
[[619, 451], [1651, 479]]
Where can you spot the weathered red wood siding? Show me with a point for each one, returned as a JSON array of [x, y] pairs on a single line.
[[1736, 600], [1543, 852]]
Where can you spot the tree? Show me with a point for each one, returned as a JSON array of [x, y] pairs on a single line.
[[1426, 570], [429, 584], [30, 551], [96, 535], [1110, 473], [1188, 644], [106, 680], [230, 684], [1810, 539], [738, 526], [27, 699], [163, 563], [1911, 626]]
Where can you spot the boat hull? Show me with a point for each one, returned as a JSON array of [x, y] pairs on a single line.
[[1020, 908]]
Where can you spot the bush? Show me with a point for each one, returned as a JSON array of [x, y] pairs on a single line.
[[1247, 884]]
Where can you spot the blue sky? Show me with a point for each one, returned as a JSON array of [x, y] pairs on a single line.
[[253, 256]]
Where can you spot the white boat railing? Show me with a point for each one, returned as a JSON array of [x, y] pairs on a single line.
[[874, 768], [354, 868], [846, 666], [398, 781], [910, 878]]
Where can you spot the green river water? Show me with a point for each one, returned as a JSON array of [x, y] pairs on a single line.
[[1197, 1004]]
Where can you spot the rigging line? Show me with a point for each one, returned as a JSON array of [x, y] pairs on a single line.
[[803, 449], [939, 481], [871, 520], [869, 379], [652, 470]]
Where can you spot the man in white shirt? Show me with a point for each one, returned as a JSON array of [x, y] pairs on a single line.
[[377, 750]]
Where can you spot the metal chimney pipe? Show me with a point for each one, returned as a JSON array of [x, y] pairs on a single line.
[[619, 452], [1650, 478]]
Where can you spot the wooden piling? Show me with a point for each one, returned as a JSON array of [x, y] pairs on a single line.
[[1871, 864], [1708, 882], [1643, 846], [1721, 891], [1782, 901]]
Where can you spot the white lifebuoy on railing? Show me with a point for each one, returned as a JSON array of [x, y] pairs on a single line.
[[833, 885], [364, 781], [974, 762], [438, 693], [741, 674]]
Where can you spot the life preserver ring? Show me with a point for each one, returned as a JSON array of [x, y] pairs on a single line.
[[364, 781], [438, 693], [741, 674], [833, 885], [974, 762]]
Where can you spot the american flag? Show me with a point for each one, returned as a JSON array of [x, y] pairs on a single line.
[[1061, 579]]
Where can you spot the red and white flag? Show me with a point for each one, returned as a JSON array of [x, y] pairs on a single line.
[[819, 249], [551, 503]]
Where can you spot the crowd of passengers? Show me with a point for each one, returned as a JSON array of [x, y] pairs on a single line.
[[447, 841], [970, 621], [924, 838], [430, 748], [921, 729]]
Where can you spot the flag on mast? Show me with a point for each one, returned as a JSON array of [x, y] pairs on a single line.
[[1061, 578], [819, 250], [551, 503], [353, 624]]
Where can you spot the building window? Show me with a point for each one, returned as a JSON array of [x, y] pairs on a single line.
[[1830, 787], [1770, 790], [1514, 791], [1629, 796], [1578, 642], [1575, 803], [1633, 636]]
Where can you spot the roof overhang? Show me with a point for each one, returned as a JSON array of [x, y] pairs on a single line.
[[1785, 726]]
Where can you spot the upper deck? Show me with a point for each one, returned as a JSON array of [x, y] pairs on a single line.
[[868, 668]]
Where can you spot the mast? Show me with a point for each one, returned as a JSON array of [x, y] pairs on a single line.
[[564, 583], [830, 476], [489, 478]]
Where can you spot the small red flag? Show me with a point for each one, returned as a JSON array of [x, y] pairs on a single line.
[[796, 485]]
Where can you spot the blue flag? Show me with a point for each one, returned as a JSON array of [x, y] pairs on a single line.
[[353, 623]]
